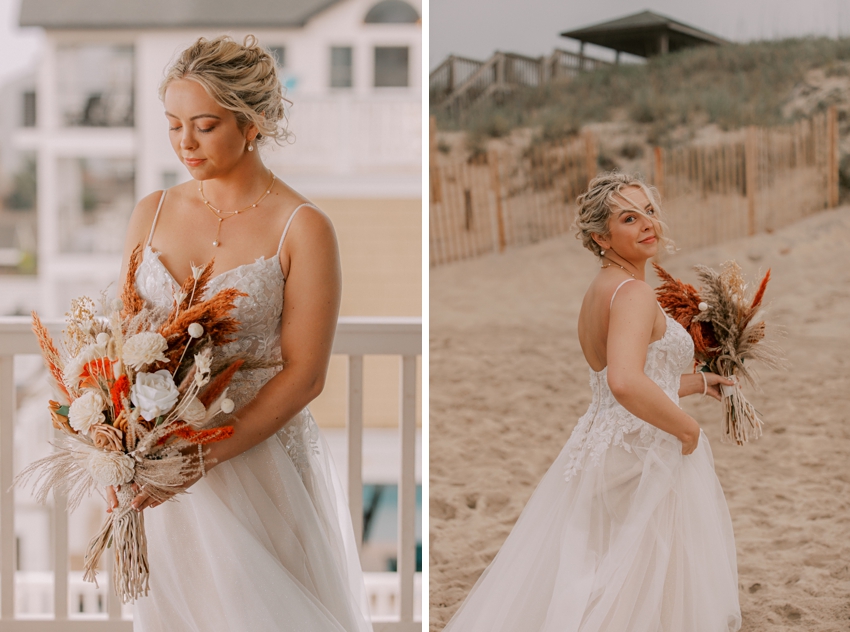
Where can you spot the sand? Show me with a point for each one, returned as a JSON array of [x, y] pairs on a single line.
[[508, 382]]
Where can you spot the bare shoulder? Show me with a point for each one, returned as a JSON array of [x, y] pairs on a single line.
[[634, 294], [308, 225]]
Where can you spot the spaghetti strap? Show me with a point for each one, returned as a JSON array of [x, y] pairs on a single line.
[[288, 222], [155, 217], [617, 290]]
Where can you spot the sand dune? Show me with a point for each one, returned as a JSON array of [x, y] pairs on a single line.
[[508, 382]]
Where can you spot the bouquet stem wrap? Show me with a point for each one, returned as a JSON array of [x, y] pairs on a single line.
[[741, 422], [124, 528]]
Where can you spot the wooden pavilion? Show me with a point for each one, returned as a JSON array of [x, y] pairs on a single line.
[[643, 34]]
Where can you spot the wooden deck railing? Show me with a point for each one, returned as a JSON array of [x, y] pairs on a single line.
[[355, 338]]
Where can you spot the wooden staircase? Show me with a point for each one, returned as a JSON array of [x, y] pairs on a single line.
[[460, 83]]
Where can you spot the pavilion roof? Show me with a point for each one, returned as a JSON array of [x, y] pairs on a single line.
[[640, 34]]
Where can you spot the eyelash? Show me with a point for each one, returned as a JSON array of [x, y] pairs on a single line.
[[201, 130], [648, 212]]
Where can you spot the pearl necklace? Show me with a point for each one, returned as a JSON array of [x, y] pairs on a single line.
[[619, 266], [228, 214]]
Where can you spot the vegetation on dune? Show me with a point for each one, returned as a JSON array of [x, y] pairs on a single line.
[[732, 86]]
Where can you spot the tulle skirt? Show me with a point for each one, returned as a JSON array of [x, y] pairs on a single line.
[[639, 542], [263, 543]]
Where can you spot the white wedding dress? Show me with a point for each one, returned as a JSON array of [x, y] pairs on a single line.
[[263, 543], [623, 534]]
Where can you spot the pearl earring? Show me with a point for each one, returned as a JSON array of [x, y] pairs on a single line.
[[601, 253], [250, 146]]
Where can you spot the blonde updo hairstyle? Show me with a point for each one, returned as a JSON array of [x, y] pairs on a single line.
[[241, 78], [596, 204]]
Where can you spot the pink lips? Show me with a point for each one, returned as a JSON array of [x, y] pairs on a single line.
[[193, 162], [648, 240]]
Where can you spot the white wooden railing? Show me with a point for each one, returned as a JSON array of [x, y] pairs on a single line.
[[355, 338]]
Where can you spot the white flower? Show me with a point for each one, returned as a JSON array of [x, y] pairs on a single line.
[[703, 306], [202, 367], [196, 330], [111, 468], [144, 348], [154, 394], [180, 296], [193, 412], [71, 373], [86, 411], [117, 304], [102, 338], [227, 406], [196, 271]]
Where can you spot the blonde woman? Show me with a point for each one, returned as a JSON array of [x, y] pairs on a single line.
[[629, 530], [264, 541]]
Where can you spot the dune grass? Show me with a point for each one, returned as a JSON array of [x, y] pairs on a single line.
[[732, 86]]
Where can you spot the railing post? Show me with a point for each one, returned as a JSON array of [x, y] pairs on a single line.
[[751, 169], [496, 184], [407, 487], [60, 557], [832, 160], [354, 427], [659, 170], [7, 496]]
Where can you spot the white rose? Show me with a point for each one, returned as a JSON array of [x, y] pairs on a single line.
[[144, 348], [154, 394], [71, 373], [111, 468], [86, 411], [196, 330], [194, 412]]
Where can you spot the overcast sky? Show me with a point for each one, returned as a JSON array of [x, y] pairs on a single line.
[[477, 28]]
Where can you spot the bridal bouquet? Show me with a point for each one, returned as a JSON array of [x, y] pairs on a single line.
[[725, 323], [140, 390]]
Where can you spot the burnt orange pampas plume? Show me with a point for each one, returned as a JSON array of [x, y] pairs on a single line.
[[218, 385], [212, 315], [50, 353], [133, 303]]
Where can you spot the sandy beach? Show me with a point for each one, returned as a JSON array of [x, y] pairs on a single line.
[[508, 382]]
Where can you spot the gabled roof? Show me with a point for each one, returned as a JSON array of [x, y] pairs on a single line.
[[638, 34], [164, 14]]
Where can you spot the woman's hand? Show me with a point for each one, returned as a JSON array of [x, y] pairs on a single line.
[[143, 500], [689, 436], [693, 384]]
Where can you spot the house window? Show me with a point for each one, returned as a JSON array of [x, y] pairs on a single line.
[[29, 109], [97, 196], [341, 67], [392, 12], [279, 54], [95, 85], [391, 66]]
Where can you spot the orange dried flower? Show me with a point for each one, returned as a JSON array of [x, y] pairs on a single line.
[[94, 371], [120, 390]]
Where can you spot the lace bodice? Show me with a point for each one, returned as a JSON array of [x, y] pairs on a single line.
[[606, 423], [259, 315]]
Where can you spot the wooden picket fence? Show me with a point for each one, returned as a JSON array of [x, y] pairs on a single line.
[[758, 180]]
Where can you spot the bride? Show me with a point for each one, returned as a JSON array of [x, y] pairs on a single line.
[[264, 541], [628, 531]]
